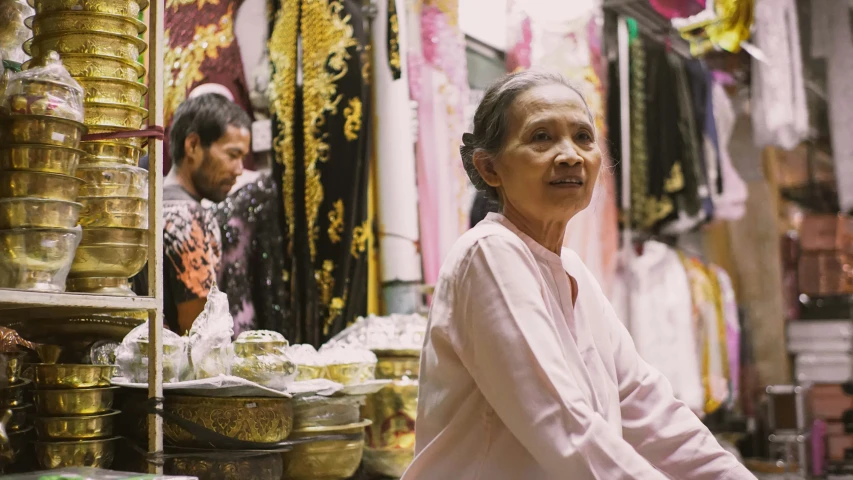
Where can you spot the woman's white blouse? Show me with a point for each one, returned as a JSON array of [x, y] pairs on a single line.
[[518, 384]]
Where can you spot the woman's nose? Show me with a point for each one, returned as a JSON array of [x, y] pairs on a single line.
[[568, 155]]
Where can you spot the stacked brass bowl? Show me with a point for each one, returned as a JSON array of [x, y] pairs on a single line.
[[98, 42], [74, 417], [12, 402]]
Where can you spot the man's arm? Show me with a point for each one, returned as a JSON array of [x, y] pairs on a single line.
[[187, 313]]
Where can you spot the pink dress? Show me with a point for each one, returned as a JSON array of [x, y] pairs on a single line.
[[518, 383]]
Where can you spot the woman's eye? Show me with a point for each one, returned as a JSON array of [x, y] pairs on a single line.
[[541, 136], [585, 137]]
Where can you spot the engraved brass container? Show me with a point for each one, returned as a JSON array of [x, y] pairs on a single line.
[[137, 142], [76, 453], [82, 427], [224, 465], [109, 44], [38, 213], [40, 158], [115, 212], [11, 364], [110, 153], [113, 115], [81, 65], [82, 401], [12, 395], [351, 373], [310, 372], [62, 21], [114, 181], [41, 130], [85, 329], [100, 286], [62, 375], [260, 356], [127, 8], [110, 252], [325, 460], [49, 186], [112, 91]]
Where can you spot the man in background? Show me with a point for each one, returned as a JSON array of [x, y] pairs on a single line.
[[208, 139]]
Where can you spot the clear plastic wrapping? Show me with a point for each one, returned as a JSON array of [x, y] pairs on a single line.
[[37, 259], [349, 364], [392, 333], [309, 363], [13, 31], [321, 411], [47, 90], [132, 356], [261, 356], [210, 349], [91, 474]]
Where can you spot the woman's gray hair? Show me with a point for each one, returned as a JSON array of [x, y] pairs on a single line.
[[492, 119]]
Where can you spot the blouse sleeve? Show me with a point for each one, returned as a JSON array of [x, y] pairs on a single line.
[[510, 345], [664, 430]]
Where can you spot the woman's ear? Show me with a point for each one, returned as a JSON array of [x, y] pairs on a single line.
[[485, 165]]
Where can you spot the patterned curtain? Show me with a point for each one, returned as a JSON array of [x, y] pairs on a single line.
[[319, 95]]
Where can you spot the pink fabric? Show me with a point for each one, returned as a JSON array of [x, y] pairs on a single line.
[[677, 8]]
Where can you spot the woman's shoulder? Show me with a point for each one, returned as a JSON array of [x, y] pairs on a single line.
[[484, 235]]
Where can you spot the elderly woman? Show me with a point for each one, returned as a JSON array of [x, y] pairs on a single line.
[[526, 372]]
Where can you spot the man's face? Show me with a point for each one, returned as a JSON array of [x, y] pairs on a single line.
[[220, 164]]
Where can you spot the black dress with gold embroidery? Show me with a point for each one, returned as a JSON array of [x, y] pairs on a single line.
[[320, 144]]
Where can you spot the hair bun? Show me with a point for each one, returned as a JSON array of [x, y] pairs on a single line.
[[468, 139]]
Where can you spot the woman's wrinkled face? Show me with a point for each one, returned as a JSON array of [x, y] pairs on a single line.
[[550, 161]]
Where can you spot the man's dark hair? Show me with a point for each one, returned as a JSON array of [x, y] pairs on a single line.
[[207, 115]]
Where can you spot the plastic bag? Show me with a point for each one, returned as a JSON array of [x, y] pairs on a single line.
[[132, 356], [48, 90], [321, 411], [91, 474], [261, 356], [211, 352], [13, 31]]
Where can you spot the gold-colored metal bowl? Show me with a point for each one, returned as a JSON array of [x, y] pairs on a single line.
[[81, 65], [110, 252], [137, 142], [113, 115], [83, 427], [310, 372], [118, 212], [325, 460], [40, 158], [109, 44], [19, 417], [63, 375], [104, 153], [41, 130], [112, 91], [393, 411], [114, 181], [76, 453], [85, 329], [100, 286], [392, 368], [49, 186], [127, 8], [387, 462], [33, 258], [63, 21], [318, 411], [351, 373], [223, 465], [38, 213], [11, 364], [80, 401], [12, 395]]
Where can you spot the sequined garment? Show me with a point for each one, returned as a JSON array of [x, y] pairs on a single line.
[[201, 48], [252, 266], [320, 143]]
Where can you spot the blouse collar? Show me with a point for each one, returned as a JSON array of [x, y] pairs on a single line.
[[538, 250]]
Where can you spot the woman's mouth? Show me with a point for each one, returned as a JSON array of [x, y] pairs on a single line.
[[568, 182]]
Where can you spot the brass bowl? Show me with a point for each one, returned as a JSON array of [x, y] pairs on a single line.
[[310, 372], [41, 130], [82, 427], [38, 213], [62, 375], [12, 395], [112, 91], [223, 465], [114, 181], [127, 8], [252, 419], [325, 460], [393, 411], [18, 420], [112, 115], [111, 153], [78, 21], [86, 329], [40, 158], [351, 373], [36, 258], [70, 41], [49, 186], [11, 364], [392, 368], [81, 65], [110, 252], [76, 453], [387, 462], [116, 212], [137, 142], [81, 401], [100, 286]]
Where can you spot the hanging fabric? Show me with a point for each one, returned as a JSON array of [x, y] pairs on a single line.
[[778, 97], [566, 38], [438, 82], [731, 318], [394, 146], [730, 202], [320, 106]]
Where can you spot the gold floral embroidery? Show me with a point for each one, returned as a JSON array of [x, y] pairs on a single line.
[[336, 221], [675, 181], [366, 65], [336, 309], [393, 40], [183, 64], [360, 236], [325, 281], [282, 52], [352, 113], [175, 4], [326, 38]]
